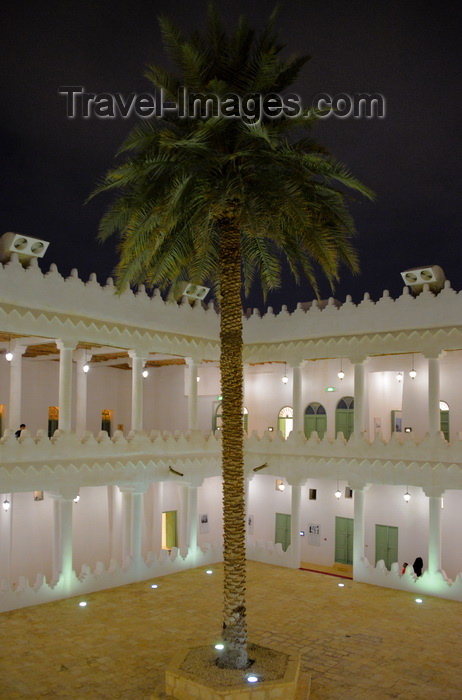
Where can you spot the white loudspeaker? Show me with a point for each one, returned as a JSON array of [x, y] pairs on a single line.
[[416, 277], [195, 291], [24, 246]]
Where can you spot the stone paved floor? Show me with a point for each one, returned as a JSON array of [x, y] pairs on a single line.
[[358, 642]]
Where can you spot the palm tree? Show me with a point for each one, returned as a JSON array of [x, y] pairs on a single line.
[[221, 201]]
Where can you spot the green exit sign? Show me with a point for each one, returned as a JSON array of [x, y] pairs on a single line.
[[330, 388]]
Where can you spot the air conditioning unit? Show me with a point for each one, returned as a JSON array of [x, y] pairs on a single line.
[[195, 291], [416, 277], [25, 247]]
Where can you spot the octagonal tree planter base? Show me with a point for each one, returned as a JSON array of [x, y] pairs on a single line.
[[194, 675]]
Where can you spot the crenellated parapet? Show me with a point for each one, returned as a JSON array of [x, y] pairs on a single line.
[[427, 323], [50, 305], [30, 464]]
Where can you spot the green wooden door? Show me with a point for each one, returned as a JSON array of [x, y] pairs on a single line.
[[282, 533], [315, 419], [386, 544], [344, 417], [344, 540], [170, 529], [444, 423]]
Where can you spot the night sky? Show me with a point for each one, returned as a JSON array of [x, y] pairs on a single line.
[[409, 52]]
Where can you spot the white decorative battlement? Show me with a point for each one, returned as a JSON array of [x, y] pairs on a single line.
[[31, 464], [87, 581], [428, 322], [50, 305], [80, 308]]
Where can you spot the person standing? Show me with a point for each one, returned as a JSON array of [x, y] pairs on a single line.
[[21, 428]]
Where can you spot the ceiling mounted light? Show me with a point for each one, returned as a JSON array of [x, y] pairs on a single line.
[[145, 373], [407, 495], [399, 376], [285, 378], [413, 373], [341, 374], [6, 505], [338, 493], [77, 498], [86, 368]]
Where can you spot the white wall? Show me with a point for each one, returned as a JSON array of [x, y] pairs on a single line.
[[90, 528], [31, 537], [209, 500]]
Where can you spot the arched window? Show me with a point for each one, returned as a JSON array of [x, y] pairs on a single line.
[[53, 419], [344, 416], [286, 420], [217, 418], [444, 419], [315, 419]]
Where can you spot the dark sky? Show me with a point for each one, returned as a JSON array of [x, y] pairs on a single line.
[[409, 52]]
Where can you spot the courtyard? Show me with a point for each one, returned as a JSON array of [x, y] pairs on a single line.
[[356, 640]]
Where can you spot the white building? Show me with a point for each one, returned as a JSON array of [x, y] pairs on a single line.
[[143, 453]]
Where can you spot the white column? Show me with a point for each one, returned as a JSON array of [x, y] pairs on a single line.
[[359, 525], [7, 535], [81, 393], [62, 548], [15, 406], [56, 562], [192, 395], [192, 517], [247, 481], [132, 515], [126, 525], [65, 384], [137, 390], [157, 506], [114, 513], [295, 545], [360, 398], [183, 492], [137, 517], [297, 397], [434, 420], [66, 541], [434, 528]]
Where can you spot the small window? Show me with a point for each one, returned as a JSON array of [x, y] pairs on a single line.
[[348, 492], [312, 494]]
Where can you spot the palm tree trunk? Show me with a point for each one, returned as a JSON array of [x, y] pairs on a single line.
[[234, 614]]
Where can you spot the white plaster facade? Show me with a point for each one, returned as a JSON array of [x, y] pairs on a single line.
[[166, 457]]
